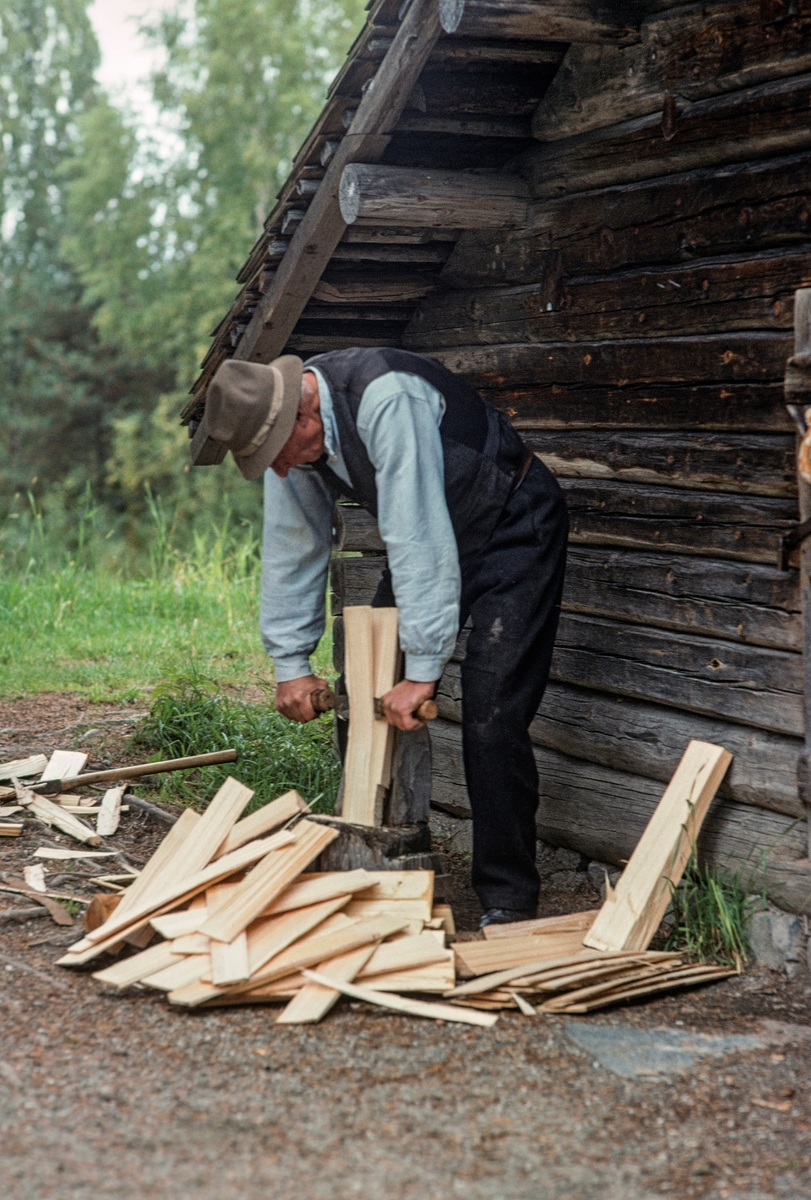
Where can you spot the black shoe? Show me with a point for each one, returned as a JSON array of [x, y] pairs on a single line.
[[506, 916]]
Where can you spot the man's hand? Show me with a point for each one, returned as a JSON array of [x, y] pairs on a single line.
[[400, 702], [293, 698]]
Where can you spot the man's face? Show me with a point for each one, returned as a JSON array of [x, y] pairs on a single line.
[[306, 442]]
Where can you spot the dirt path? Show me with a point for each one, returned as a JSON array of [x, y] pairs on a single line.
[[122, 1097]]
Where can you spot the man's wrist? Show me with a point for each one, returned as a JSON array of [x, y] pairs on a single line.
[[294, 666], [423, 668]]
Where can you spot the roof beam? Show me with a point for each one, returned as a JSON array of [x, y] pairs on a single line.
[[431, 199], [323, 226], [549, 20]]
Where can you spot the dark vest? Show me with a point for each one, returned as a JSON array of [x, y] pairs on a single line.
[[482, 451]]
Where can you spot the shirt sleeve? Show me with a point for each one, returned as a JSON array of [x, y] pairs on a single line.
[[398, 422], [296, 544]]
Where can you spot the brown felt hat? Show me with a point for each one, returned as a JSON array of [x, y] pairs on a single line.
[[252, 407]]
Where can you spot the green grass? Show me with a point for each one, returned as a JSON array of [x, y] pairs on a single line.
[[92, 624], [191, 716], [711, 911], [90, 621]]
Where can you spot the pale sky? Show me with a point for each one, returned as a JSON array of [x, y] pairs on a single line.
[[125, 57]]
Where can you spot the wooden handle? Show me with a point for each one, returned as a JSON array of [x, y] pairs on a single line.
[[322, 699], [156, 768]]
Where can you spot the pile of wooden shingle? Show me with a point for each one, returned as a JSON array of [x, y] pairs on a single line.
[[242, 921]]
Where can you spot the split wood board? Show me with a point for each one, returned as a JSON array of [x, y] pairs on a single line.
[[186, 971], [313, 1001], [263, 821], [400, 885], [179, 924], [415, 1008], [229, 961], [22, 768], [437, 977], [387, 666], [307, 952], [269, 937], [55, 815], [541, 968], [10, 828], [358, 795], [404, 954], [132, 970], [109, 812], [116, 928], [632, 911], [565, 924], [687, 976], [165, 859], [311, 889], [480, 958], [191, 943], [268, 879], [64, 764]]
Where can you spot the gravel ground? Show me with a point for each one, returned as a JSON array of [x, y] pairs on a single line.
[[121, 1096]]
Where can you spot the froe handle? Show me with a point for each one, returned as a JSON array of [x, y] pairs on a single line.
[[324, 700]]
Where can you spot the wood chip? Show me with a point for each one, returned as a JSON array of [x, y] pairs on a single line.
[[110, 811], [415, 1008]]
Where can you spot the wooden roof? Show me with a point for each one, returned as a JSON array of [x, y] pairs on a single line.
[[415, 142]]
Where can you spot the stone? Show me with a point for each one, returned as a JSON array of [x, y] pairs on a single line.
[[779, 940], [630, 1052], [454, 834]]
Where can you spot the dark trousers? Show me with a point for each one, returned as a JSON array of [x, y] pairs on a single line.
[[512, 597]]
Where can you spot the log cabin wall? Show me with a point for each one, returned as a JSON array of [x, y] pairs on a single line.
[[636, 329], [598, 213]]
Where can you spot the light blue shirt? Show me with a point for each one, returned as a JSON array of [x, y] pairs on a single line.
[[398, 423]]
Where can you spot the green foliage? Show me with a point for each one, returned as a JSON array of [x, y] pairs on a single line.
[[190, 715], [711, 912], [60, 390], [120, 242]]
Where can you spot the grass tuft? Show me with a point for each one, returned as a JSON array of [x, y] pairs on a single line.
[[711, 912], [189, 715]]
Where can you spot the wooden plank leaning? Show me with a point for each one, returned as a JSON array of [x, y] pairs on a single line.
[[633, 910]]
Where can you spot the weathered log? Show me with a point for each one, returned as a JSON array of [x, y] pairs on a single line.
[[602, 812], [357, 531], [755, 605], [755, 464], [750, 684], [558, 20], [719, 210], [716, 294], [354, 580], [712, 525], [724, 408], [754, 123], [386, 287], [636, 516], [474, 52], [721, 358], [432, 253], [600, 84], [431, 199], [649, 739], [752, 604]]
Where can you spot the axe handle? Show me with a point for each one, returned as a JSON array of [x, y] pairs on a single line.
[[323, 700]]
